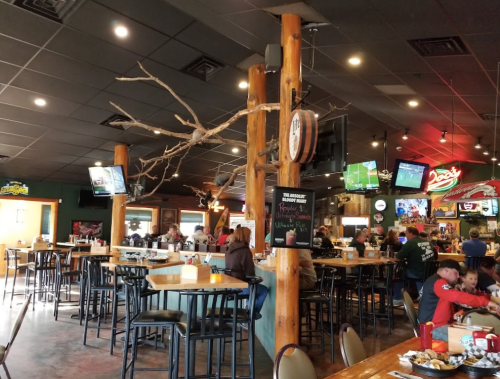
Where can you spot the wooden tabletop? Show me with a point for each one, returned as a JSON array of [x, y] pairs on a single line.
[[265, 267], [174, 282], [339, 262], [145, 263], [78, 254], [454, 256], [30, 250], [71, 244], [379, 365]]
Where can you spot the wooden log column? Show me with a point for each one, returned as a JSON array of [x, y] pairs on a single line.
[[256, 141], [287, 266], [118, 215]]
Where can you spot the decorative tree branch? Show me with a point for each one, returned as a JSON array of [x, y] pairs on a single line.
[[201, 194], [271, 168], [333, 109], [236, 171]]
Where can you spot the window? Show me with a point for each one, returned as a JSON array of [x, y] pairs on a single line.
[[138, 221], [189, 219]]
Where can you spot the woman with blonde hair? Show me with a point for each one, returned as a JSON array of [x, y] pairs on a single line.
[[239, 260]]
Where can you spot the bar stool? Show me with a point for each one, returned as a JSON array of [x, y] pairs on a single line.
[[136, 319], [43, 269], [82, 264], [63, 277], [13, 264], [384, 289]]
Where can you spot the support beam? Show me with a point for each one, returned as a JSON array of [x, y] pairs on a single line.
[[256, 141], [287, 266], [118, 215]]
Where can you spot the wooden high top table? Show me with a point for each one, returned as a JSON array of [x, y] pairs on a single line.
[[379, 365], [145, 263]]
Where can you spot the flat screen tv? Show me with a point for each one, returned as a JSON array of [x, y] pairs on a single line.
[[478, 208], [331, 150], [108, 180], [88, 200], [361, 176], [412, 207], [410, 176]]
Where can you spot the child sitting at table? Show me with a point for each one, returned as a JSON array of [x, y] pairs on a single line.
[[467, 283]]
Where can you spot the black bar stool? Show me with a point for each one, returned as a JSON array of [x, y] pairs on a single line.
[[63, 277], [43, 269], [13, 264]]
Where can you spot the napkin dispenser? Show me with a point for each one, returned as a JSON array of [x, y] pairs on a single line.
[[372, 253], [195, 272]]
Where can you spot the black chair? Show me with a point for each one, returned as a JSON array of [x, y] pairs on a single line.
[[384, 288], [63, 277], [13, 264], [472, 262], [211, 326], [135, 319], [83, 267], [43, 269], [324, 301]]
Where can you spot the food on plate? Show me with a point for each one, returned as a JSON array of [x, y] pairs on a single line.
[[437, 361]]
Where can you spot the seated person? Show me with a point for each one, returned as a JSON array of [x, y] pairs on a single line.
[[391, 242], [173, 235], [198, 236], [487, 277], [416, 251], [467, 283], [473, 247], [325, 241], [210, 237], [239, 260], [307, 274], [223, 236], [438, 296], [359, 243], [378, 237], [154, 231]]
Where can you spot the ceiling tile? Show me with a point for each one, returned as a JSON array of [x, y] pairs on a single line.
[[258, 23], [142, 92], [135, 108], [51, 146], [36, 82], [10, 150], [73, 70], [48, 156], [466, 14], [69, 138], [21, 129], [93, 50], [15, 140], [100, 154], [14, 51], [218, 98], [99, 21], [227, 6], [82, 170], [91, 114], [36, 163], [88, 162], [175, 54], [7, 72]]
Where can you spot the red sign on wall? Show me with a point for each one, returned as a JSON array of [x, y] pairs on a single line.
[[441, 179]]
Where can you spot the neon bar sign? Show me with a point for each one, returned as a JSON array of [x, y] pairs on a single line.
[[216, 207], [442, 180]]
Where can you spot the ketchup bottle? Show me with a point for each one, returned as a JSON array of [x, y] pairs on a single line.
[[481, 341]]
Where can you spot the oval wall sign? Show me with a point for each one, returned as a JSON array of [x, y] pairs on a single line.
[[380, 205], [302, 136]]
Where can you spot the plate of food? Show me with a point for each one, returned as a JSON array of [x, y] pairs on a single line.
[[480, 363], [158, 259], [431, 363]]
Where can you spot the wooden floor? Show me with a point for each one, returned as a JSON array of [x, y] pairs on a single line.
[[45, 348]]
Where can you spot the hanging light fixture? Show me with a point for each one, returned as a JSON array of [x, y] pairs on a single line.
[[374, 142], [487, 150], [478, 143], [443, 137], [406, 133], [494, 158]]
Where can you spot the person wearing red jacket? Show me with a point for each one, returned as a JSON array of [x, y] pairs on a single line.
[[439, 295]]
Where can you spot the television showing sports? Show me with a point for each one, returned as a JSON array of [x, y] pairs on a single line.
[[412, 207], [361, 176], [410, 176], [108, 180], [479, 208]]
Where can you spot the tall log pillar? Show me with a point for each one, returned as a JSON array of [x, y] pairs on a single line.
[[287, 271], [256, 141], [118, 215]]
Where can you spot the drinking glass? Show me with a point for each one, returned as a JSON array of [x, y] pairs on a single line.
[[426, 335]]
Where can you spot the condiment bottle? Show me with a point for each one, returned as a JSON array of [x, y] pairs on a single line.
[[481, 341]]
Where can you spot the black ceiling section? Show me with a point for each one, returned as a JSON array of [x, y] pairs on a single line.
[[73, 65]]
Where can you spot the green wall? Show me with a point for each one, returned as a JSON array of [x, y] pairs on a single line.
[[471, 172], [68, 208]]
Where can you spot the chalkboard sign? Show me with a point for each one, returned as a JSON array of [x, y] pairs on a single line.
[[292, 218]]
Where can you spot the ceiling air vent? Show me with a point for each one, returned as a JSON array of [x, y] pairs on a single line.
[[4, 159], [489, 116], [204, 68], [437, 47], [55, 10], [116, 118]]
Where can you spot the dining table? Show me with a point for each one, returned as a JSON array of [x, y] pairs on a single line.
[[168, 282], [380, 365]]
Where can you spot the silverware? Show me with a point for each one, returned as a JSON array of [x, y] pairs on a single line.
[[402, 376]]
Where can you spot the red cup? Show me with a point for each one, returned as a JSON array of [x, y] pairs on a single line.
[[426, 335]]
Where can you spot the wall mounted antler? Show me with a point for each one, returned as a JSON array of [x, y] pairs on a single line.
[[199, 135]]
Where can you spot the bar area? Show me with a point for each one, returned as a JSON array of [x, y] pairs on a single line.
[[249, 189]]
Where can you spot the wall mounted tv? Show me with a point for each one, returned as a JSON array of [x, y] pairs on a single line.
[[478, 208], [412, 207], [331, 150], [88, 200], [410, 176], [361, 176], [108, 180]]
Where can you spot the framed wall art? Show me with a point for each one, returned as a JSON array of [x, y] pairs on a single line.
[[168, 217]]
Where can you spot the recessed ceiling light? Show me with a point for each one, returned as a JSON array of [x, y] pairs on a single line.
[[121, 31], [329, 187], [243, 85], [493, 158], [413, 103], [98, 163], [327, 175], [406, 134], [478, 143], [235, 150], [157, 132], [354, 61], [40, 102], [316, 115], [374, 142], [176, 175]]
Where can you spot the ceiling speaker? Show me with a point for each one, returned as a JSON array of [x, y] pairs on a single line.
[[273, 58]]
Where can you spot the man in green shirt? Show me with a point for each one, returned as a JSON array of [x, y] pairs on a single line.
[[415, 251], [359, 243]]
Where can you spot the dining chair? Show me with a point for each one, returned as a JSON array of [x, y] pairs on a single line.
[[43, 269], [4, 350], [12, 259], [294, 366], [411, 312], [351, 346]]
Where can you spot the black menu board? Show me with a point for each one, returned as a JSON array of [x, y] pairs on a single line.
[[292, 218]]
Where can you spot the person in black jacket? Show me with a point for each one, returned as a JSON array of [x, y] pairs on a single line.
[[325, 241], [239, 260]]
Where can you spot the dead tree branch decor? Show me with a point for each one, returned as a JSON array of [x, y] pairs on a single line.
[[200, 134]]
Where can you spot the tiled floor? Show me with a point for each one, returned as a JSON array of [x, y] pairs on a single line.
[[45, 348]]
